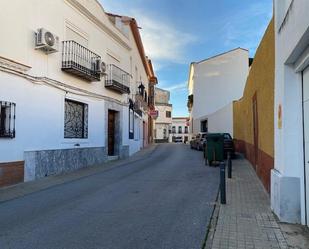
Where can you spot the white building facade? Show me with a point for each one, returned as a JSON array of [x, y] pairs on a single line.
[[180, 128], [164, 110], [290, 176], [213, 85], [69, 92]]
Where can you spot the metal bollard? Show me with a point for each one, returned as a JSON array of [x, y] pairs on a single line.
[[229, 165], [222, 183]]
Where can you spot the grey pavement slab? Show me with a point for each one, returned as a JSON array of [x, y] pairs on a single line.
[[246, 221], [162, 200]]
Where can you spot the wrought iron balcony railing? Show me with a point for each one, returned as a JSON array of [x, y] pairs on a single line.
[[190, 102], [117, 79], [80, 61]]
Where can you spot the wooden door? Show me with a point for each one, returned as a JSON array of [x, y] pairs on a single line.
[[255, 131], [111, 133]]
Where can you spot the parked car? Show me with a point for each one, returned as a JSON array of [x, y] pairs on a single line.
[[228, 144], [178, 140], [198, 142]]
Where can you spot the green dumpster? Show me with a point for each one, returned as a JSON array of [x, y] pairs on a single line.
[[214, 150]]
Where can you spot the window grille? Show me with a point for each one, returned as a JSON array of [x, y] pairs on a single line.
[[75, 119], [7, 119]]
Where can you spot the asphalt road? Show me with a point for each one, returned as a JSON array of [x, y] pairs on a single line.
[[164, 200]]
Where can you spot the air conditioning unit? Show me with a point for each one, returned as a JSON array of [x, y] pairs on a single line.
[[46, 41], [100, 67]]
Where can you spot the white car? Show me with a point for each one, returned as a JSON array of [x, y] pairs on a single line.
[[178, 140]]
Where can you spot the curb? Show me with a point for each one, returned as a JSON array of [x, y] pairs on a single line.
[[211, 229]]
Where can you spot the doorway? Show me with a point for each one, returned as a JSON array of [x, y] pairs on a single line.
[[305, 76], [255, 131], [111, 132]]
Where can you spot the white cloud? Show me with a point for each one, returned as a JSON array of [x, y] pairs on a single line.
[[176, 87], [163, 42]]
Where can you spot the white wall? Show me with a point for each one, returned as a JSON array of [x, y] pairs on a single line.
[[162, 109], [40, 108], [162, 122], [291, 39], [159, 131], [136, 144], [218, 81], [40, 119], [180, 122], [222, 120]]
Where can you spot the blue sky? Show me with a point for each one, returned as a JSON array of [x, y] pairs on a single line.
[[178, 32]]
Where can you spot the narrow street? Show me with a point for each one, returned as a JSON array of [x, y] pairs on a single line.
[[163, 200]]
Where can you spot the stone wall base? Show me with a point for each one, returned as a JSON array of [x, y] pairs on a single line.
[[44, 163]]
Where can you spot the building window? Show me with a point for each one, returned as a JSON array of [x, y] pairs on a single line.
[[204, 126], [75, 119], [173, 129], [168, 114], [7, 119], [131, 119], [186, 129], [179, 129], [164, 134]]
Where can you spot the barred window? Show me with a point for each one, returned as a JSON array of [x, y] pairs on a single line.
[[75, 119], [7, 119], [168, 114]]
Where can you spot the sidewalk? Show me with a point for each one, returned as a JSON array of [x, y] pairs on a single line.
[[246, 221], [25, 188]]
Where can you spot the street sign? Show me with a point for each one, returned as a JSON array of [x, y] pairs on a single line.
[[153, 113]]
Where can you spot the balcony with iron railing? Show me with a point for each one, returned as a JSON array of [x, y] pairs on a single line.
[[190, 102], [117, 79], [80, 61]]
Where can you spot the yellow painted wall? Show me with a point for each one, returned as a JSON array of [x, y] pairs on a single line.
[[260, 81]]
